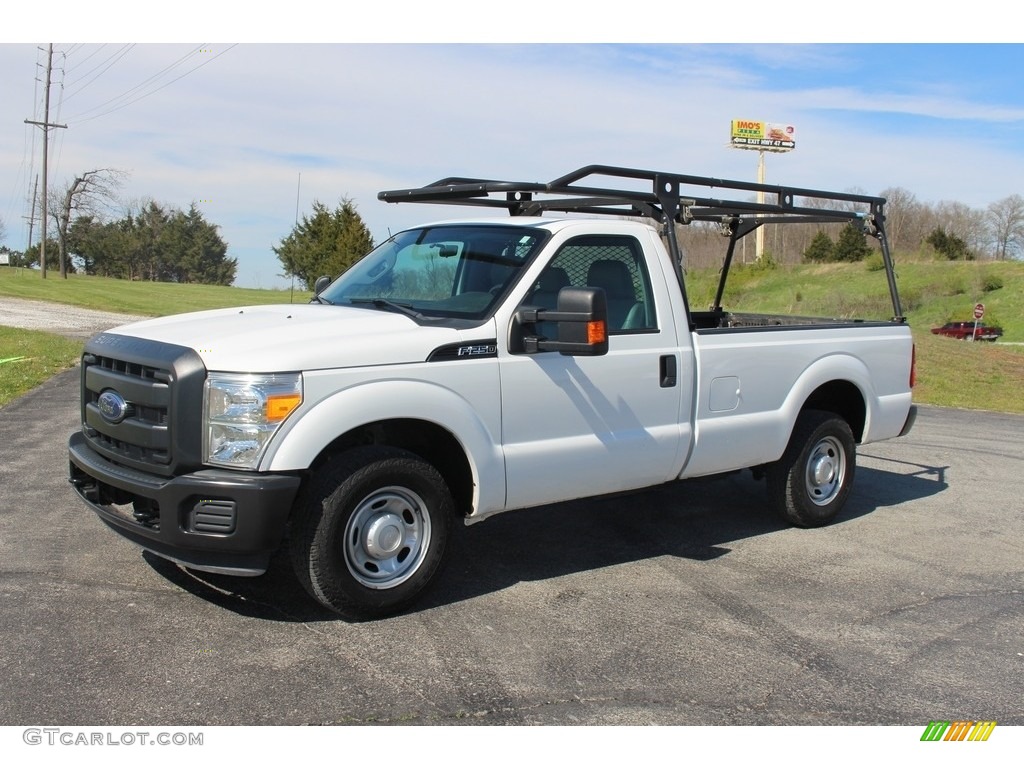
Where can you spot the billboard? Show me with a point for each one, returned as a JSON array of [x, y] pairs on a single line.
[[757, 134]]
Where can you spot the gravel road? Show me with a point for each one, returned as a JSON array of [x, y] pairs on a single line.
[[64, 319]]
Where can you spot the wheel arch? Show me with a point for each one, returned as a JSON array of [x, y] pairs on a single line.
[[431, 442], [842, 398], [392, 413], [838, 383]]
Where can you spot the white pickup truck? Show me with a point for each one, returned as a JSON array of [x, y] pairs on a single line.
[[467, 368]]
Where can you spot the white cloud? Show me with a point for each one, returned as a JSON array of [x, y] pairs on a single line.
[[355, 119]]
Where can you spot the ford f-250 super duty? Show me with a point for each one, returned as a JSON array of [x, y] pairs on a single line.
[[467, 368]]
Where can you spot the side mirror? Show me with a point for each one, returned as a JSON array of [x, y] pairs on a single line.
[[321, 283], [582, 317]]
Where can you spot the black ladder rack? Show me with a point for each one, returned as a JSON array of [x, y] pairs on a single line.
[[669, 198]]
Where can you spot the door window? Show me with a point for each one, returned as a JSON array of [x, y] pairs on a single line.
[[612, 262]]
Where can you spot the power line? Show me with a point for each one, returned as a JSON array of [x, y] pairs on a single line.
[[28, 147], [59, 137], [73, 47], [112, 59], [93, 53], [80, 120], [145, 82]]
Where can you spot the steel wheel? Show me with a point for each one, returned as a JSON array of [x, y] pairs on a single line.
[[370, 531], [826, 471], [387, 537], [809, 484]]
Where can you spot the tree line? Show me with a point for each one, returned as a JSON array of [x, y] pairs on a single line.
[[328, 242], [946, 230], [162, 243], [153, 243], [149, 241]]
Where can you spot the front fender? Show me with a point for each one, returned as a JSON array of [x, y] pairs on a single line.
[[304, 439]]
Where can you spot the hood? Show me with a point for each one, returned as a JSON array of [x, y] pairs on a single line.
[[296, 337]]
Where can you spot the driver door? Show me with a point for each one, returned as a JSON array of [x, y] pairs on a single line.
[[577, 426]]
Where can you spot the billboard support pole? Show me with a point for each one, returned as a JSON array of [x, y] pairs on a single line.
[[759, 235], [764, 137]]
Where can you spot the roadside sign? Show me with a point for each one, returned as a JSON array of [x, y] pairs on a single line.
[[979, 311]]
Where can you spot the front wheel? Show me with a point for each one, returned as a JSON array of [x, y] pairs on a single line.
[[811, 481], [371, 530]]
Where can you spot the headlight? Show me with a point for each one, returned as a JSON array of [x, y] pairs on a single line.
[[242, 412]]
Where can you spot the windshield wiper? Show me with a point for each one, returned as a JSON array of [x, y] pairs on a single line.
[[405, 309]]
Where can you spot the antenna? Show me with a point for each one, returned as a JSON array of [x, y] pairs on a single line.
[[291, 292]]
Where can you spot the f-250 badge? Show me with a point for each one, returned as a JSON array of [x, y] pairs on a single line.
[[477, 350]]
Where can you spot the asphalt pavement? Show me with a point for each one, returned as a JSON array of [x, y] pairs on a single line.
[[686, 605]]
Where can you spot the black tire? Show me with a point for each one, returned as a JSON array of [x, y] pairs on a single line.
[[810, 483], [370, 531]]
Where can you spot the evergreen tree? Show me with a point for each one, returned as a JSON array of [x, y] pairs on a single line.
[[194, 252], [952, 247], [821, 248], [326, 243], [155, 244], [852, 244]]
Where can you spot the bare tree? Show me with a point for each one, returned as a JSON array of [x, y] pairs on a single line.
[[86, 194], [3, 231], [1006, 225], [969, 224], [901, 212]]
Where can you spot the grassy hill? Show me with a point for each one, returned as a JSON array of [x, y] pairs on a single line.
[[931, 292], [952, 373], [966, 375], [138, 297]]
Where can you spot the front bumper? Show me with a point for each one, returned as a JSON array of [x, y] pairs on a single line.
[[211, 520]]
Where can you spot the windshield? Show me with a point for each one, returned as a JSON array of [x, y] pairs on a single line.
[[443, 271]]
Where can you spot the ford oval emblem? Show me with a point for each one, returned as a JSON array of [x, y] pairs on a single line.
[[113, 407]]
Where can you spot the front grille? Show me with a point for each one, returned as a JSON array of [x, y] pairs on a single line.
[[143, 436], [156, 426]]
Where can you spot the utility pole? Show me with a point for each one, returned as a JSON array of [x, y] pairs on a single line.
[[46, 126], [32, 215]]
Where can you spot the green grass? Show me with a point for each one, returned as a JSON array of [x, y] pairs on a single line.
[[951, 373], [138, 297], [28, 358], [932, 293], [958, 374], [962, 374]]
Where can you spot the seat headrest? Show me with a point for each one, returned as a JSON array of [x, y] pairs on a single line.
[[552, 280], [613, 276]]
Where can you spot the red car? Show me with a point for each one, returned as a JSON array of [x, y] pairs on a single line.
[[966, 331]]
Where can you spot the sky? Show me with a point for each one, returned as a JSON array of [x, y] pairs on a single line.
[[255, 131]]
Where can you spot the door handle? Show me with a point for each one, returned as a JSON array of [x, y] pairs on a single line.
[[668, 370]]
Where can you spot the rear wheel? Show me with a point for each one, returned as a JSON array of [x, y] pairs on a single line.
[[810, 483], [371, 530]]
